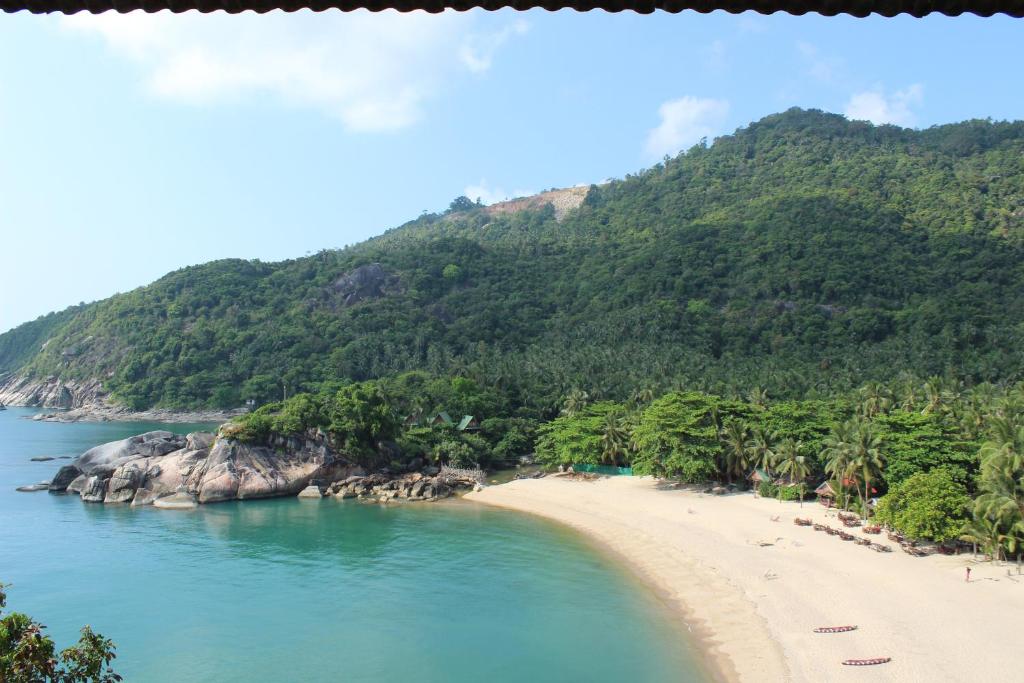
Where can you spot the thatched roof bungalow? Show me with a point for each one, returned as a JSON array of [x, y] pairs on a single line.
[[826, 494]]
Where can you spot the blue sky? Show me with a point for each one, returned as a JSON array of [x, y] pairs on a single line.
[[134, 145]]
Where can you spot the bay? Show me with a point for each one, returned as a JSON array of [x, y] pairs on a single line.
[[289, 590]]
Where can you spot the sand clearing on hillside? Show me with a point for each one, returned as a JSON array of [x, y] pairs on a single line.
[[755, 589]]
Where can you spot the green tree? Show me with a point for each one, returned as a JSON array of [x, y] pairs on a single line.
[[927, 505], [614, 439], [761, 448], [866, 460], [27, 655], [792, 465], [838, 453], [734, 437]]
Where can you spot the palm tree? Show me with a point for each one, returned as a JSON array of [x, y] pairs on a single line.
[[875, 400], [575, 402], [734, 436], [642, 397], [757, 397], [838, 447], [866, 460], [983, 531], [614, 439], [761, 448], [792, 465], [1002, 482], [933, 395]]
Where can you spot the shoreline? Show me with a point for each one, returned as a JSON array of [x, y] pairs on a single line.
[[751, 585], [119, 414], [717, 665]]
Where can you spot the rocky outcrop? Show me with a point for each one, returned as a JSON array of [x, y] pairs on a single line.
[[563, 201], [363, 284], [50, 392], [415, 486], [173, 471], [311, 491], [147, 468]]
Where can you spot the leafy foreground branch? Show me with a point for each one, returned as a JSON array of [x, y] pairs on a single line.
[[27, 655]]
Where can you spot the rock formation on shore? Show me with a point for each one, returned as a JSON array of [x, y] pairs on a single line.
[[147, 468]]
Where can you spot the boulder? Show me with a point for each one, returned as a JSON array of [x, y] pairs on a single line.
[[77, 484], [117, 453], [144, 497], [199, 441], [150, 466], [42, 458], [182, 500], [65, 475], [311, 492], [125, 480], [42, 486], [345, 493], [95, 489]]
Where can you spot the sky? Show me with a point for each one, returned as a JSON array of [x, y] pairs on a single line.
[[133, 145]]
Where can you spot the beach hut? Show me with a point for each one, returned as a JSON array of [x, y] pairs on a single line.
[[442, 418], [412, 420], [826, 494], [469, 423], [759, 475]]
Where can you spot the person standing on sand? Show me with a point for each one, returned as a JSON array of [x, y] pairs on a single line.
[[968, 579]]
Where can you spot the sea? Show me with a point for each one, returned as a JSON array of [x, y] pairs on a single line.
[[306, 590]]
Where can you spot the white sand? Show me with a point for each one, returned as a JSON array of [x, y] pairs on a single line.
[[703, 553]]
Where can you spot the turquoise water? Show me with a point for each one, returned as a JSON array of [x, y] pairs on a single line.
[[290, 590]]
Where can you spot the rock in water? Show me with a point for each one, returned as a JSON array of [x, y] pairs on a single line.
[[42, 486], [182, 500], [42, 458], [65, 475], [311, 492], [149, 467], [95, 489], [144, 497]]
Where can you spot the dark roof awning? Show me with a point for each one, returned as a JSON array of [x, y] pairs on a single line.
[[859, 8]]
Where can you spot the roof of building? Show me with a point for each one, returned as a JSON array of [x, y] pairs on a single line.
[[825, 489], [466, 421], [859, 8], [445, 417], [760, 474]]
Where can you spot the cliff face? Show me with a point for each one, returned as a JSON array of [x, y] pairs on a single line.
[[51, 392]]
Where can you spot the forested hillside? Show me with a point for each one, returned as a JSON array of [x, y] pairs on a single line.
[[804, 255]]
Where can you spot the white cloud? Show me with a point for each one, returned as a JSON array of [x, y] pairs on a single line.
[[372, 71], [684, 122], [477, 52], [875, 106], [492, 195], [819, 67]]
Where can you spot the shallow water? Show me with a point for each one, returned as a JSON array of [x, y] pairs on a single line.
[[290, 590]]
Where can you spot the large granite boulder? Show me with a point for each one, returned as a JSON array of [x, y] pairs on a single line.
[[117, 453], [65, 475], [147, 468], [241, 471], [124, 482]]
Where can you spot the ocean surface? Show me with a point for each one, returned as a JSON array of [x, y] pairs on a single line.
[[299, 590]]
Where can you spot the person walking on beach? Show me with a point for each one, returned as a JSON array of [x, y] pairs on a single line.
[[968, 579]]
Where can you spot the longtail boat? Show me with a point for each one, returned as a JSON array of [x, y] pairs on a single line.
[[867, 662], [834, 629]]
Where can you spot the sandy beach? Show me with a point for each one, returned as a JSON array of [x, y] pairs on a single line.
[[753, 589]]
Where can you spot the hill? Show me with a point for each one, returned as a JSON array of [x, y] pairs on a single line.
[[805, 254]]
